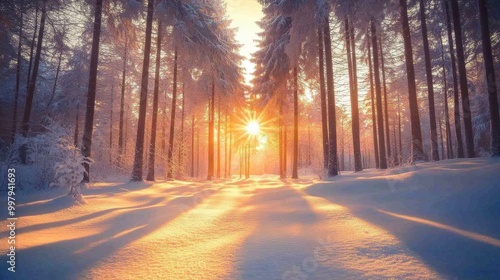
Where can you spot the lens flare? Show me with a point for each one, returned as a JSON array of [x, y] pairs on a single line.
[[253, 128]]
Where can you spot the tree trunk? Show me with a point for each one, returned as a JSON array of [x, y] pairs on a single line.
[[374, 116], [464, 90], [32, 84], [54, 86], [386, 107], [225, 145], [295, 173], [281, 140], [218, 136], [122, 101], [430, 87], [332, 126], [30, 64], [230, 147], [141, 123], [416, 133], [152, 145], [111, 122], [181, 145], [192, 146], [351, 60], [324, 117], [170, 152], [211, 105], [449, 149], [18, 78], [490, 79], [77, 125], [456, 101], [378, 96]]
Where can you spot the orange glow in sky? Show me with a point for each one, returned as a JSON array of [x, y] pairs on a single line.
[[245, 14]]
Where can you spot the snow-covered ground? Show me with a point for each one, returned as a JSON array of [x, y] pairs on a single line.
[[433, 220]]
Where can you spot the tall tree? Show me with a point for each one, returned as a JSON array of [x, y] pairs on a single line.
[[430, 87], [351, 58], [378, 96], [18, 72], [490, 79], [324, 117], [416, 133], [152, 145], [211, 133], [456, 100], [32, 84], [141, 123], [332, 126], [295, 173], [464, 90], [170, 152], [386, 106], [122, 101], [374, 115]]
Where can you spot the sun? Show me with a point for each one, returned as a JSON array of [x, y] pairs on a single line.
[[253, 128]]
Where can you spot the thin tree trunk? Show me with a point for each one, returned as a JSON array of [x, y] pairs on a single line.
[[218, 136], [332, 126], [281, 140], [430, 87], [18, 77], [32, 84], [449, 148], [225, 145], [111, 121], [464, 90], [181, 145], [230, 146], [295, 173], [122, 101], [400, 151], [30, 64], [386, 107], [170, 163], [285, 152], [192, 146], [152, 145], [324, 116], [54, 86], [416, 133], [378, 96], [77, 125], [351, 59], [141, 123], [490, 79], [442, 139], [456, 100], [374, 116], [211, 133]]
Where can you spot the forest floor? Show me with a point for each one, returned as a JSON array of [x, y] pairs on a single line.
[[432, 220]]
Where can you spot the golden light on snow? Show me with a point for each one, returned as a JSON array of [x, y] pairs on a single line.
[[253, 128]]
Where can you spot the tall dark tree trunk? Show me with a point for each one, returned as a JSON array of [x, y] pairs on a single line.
[[285, 151], [351, 59], [324, 115], [456, 100], [170, 152], [295, 173], [77, 125], [386, 106], [281, 140], [141, 123], [31, 89], [211, 133], [152, 145], [122, 101], [400, 148], [490, 79], [442, 139], [416, 133], [111, 122], [378, 96], [332, 126], [464, 90], [18, 76], [32, 47], [430, 87], [181, 146], [374, 115], [449, 148]]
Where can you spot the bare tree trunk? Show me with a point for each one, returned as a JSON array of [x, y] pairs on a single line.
[[211, 133], [449, 148], [332, 126], [192, 146], [141, 123], [230, 146], [281, 140], [490, 79], [18, 77], [324, 116], [170, 152], [456, 100], [386, 107], [54, 86], [77, 125], [416, 133], [351, 61], [464, 90], [181, 145], [32, 84], [430, 87], [225, 145], [378, 96], [374, 116], [30, 64], [122, 101], [295, 173], [285, 152], [218, 136], [152, 145], [111, 124]]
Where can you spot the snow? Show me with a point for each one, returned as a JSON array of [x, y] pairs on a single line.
[[429, 221]]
